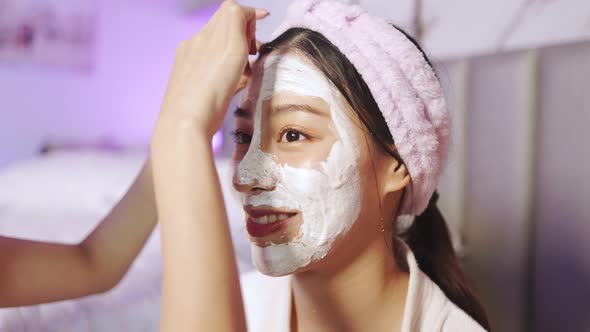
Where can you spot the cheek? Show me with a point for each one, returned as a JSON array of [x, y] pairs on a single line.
[[304, 154], [318, 138], [369, 182]]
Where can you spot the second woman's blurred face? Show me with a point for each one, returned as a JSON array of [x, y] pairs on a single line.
[[297, 164]]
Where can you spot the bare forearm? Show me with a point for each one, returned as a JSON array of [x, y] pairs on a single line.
[[36, 272], [33, 272], [117, 240], [200, 279]]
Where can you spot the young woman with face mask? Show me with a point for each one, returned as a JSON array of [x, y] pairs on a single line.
[[342, 129]]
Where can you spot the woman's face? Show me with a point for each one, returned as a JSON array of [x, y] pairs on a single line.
[[301, 161]]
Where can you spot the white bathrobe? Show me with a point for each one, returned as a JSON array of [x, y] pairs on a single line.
[[268, 303]]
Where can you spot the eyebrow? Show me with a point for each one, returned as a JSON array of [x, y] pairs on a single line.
[[298, 108], [244, 113]]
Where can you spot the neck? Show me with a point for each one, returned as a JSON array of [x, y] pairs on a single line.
[[365, 290]]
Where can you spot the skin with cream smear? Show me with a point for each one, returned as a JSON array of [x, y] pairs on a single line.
[[300, 186]]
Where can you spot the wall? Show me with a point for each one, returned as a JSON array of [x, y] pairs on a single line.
[[459, 28], [561, 269], [136, 41], [516, 188], [119, 99]]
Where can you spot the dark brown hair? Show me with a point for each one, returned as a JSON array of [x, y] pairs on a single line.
[[428, 237]]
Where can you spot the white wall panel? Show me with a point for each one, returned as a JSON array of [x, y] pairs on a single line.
[[562, 273], [398, 12], [460, 28], [499, 127]]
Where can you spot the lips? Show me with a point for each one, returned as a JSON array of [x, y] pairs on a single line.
[[261, 222]]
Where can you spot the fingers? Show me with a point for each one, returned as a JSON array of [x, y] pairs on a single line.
[[251, 36], [244, 78], [254, 13], [261, 13], [250, 15], [255, 46], [242, 22]]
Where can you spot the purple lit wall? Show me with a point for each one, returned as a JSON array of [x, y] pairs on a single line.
[[136, 40], [118, 100], [217, 141]]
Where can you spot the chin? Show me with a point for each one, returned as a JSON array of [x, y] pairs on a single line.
[[283, 259], [273, 271]]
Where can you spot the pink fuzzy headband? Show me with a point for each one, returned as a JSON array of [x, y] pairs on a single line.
[[403, 84]]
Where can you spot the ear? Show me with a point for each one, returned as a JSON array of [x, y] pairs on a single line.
[[395, 176]]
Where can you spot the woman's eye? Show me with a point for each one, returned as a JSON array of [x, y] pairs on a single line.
[[241, 137], [290, 135]]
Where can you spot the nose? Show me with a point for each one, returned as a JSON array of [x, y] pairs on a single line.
[[249, 186], [256, 172]]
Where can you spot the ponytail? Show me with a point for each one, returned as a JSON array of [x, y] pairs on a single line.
[[428, 238]]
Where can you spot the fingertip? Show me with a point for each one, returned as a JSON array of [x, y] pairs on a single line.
[[262, 13]]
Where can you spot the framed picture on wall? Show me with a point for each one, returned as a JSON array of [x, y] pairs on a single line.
[[48, 32]]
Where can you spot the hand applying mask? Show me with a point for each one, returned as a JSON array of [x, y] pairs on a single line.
[[218, 56], [200, 288]]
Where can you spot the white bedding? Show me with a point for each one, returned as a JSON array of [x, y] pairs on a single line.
[[61, 197]]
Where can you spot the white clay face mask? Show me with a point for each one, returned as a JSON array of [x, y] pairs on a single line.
[[328, 197]]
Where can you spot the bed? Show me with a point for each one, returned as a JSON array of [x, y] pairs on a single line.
[[60, 196]]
